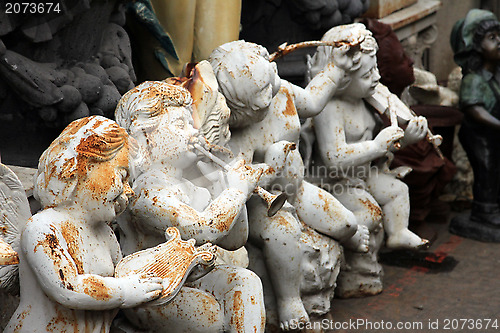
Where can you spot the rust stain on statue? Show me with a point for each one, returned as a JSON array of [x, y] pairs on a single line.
[[238, 312], [60, 318], [96, 289], [282, 221], [7, 255], [290, 109], [70, 234], [374, 210], [21, 317]]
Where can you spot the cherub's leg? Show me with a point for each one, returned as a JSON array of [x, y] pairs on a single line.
[[279, 236], [324, 213], [192, 310], [392, 195], [239, 291], [363, 274]]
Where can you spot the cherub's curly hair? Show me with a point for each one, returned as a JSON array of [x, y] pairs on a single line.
[[83, 143], [367, 45], [234, 64]]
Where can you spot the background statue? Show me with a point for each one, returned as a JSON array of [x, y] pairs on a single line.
[[68, 250], [55, 67], [228, 298], [476, 43]]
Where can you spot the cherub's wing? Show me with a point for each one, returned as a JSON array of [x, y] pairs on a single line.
[[14, 212]]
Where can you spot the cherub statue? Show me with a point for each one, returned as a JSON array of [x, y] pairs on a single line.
[[68, 251], [475, 41], [264, 121], [352, 145], [158, 116]]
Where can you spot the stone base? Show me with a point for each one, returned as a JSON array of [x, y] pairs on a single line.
[[462, 225]]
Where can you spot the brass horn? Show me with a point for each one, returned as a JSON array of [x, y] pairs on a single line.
[[274, 201]]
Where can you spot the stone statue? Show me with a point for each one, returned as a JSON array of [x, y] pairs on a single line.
[[228, 298], [355, 150], [68, 251], [264, 122], [73, 61], [475, 41]]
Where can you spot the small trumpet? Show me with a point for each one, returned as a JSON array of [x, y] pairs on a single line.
[[274, 201]]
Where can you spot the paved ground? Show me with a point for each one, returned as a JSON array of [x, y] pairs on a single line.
[[453, 287]]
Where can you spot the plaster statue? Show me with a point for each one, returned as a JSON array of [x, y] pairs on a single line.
[[355, 150], [68, 251], [265, 126], [228, 298], [475, 42]]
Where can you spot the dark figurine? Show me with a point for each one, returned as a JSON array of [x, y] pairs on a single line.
[[476, 44]]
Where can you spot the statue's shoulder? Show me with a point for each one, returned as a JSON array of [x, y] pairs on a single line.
[[475, 90]]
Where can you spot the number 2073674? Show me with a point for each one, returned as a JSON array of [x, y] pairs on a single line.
[[32, 7]]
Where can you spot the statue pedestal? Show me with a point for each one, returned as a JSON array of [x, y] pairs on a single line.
[[462, 225]]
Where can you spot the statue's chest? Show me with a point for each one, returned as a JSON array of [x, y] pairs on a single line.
[[93, 253], [359, 125]]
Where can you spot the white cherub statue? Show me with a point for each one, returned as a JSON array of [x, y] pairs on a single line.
[[68, 251], [355, 149], [158, 115], [264, 123]]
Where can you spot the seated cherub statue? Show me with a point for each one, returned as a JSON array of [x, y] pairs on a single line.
[[355, 149], [265, 127], [68, 250], [158, 116]]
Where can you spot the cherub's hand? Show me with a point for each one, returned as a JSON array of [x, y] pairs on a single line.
[[415, 131], [341, 58], [277, 153], [211, 171], [136, 290], [387, 137], [244, 177]]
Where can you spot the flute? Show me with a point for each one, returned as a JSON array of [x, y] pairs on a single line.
[[274, 201]]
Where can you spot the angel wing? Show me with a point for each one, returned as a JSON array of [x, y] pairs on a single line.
[[14, 212]]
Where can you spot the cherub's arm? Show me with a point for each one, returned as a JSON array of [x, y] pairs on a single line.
[[60, 277], [311, 100], [479, 114], [337, 152], [160, 207]]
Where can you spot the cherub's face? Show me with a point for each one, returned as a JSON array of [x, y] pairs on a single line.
[[490, 45], [105, 191], [266, 87], [169, 142], [365, 79]]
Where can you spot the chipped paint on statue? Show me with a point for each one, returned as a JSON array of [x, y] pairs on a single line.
[[68, 250], [352, 146], [158, 116], [264, 121]]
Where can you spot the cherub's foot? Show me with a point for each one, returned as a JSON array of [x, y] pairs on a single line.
[[291, 312], [405, 239], [359, 242]]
